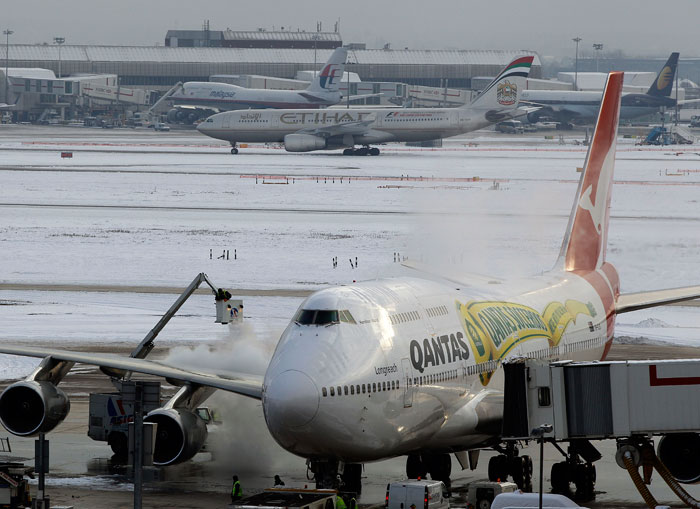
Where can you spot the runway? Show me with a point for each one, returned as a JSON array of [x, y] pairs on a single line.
[[95, 248]]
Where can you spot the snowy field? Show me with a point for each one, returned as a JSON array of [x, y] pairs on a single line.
[[132, 208]]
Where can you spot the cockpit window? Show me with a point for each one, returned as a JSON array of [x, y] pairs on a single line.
[[209, 120], [323, 317], [346, 317]]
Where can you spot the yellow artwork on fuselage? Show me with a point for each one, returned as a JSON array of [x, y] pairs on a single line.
[[494, 328]]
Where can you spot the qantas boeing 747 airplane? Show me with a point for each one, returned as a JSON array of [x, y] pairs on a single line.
[[406, 366]]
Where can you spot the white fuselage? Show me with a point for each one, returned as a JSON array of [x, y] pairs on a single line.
[[384, 125], [582, 104], [412, 372], [226, 97]]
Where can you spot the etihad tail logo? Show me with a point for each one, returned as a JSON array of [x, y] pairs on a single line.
[[507, 93], [664, 78], [494, 328]]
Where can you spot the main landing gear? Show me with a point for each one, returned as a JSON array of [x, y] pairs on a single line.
[[439, 466], [362, 151], [332, 474], [509, 463], [577, 468]]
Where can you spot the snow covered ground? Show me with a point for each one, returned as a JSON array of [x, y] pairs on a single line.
[[128, 210]]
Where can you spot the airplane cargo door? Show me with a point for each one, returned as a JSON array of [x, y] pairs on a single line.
[[407, 383]]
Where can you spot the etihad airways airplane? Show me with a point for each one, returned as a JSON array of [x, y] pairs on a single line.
[[308, 130], [212, 97], [402, 366]]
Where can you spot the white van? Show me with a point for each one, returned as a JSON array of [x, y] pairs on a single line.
[[415, 494]]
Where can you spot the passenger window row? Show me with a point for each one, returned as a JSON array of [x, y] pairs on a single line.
[[482, 367], [437, 311], [409, 316], [586, 344], [443, 376], [352, 390]]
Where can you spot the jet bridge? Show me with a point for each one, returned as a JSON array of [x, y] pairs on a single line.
[[633, 402]]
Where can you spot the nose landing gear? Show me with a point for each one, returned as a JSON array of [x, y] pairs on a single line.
[[234, 149], [333, 474]]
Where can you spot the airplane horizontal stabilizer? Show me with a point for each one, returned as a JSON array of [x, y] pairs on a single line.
[[642, 300], [244, 384]]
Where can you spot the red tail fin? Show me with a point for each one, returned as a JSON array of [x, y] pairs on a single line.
[[587, 234]]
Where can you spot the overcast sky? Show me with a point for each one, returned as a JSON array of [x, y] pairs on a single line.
[[636, 27]]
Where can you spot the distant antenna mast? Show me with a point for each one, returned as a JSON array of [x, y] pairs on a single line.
[[205, 28]]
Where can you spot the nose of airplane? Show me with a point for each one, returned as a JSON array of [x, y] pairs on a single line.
[[291, 399]]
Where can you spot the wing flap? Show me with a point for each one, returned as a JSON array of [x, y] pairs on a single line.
[[244, 384], [642, 300]]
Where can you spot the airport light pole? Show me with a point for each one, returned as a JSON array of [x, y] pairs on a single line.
[[59, 41], [576, 40], [315, 37], [539, 432], [7, 33], [598, 48]]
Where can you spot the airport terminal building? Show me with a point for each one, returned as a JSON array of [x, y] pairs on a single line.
[[159, 68]]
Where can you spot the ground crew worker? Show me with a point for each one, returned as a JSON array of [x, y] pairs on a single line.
[[278, 482], [353, 503], [236, 492], [340, 503]]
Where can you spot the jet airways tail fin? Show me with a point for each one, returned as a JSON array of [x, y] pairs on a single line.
[[504, 91], [328, 80], [664, 80], [586, 236]]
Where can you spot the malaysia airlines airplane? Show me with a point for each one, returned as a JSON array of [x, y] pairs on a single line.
[[566, 106], [212, 97], [308, 130], [401, 366]]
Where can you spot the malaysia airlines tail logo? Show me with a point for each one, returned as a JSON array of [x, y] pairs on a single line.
[[329, 75]]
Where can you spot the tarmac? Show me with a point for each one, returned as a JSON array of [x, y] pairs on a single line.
[[83, 474], [82, 471]]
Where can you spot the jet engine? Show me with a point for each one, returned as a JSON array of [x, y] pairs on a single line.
[[303, 143], [680, 452], [533, 117], [30, 407], [181, 434], [174, 115]]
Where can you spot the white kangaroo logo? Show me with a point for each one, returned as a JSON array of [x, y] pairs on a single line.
[[597, 209]]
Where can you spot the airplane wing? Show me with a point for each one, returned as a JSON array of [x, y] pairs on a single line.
[[244, 384], [642, 300], [507, 114], [689, 102], [461, 278], [356, 127]]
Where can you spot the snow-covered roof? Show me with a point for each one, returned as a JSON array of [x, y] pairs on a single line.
[[31, 73], [28, 52]]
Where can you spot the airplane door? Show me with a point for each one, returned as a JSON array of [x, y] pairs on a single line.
[[226, 121], [407, 383]]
